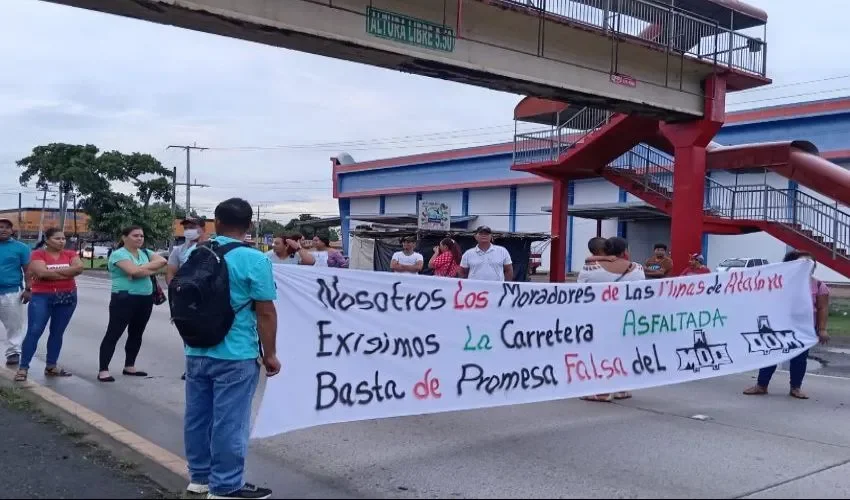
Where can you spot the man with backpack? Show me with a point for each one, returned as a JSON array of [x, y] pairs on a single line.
[[222, 303]]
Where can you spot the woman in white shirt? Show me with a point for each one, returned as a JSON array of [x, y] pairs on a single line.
[[608, 263]]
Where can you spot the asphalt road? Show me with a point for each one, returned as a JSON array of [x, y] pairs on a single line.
[[42, 459], [649, 446]]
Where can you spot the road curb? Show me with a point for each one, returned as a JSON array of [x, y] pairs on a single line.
[[174, 466]]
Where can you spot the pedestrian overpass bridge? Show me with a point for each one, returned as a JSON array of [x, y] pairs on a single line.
[[631, 56]]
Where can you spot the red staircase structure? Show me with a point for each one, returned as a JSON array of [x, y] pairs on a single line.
[[666, 166]]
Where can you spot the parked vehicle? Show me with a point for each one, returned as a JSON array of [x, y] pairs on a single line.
[[739, 262], [100, 252]]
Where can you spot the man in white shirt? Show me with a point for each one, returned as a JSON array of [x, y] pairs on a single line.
[[408, 260], [486, 261]]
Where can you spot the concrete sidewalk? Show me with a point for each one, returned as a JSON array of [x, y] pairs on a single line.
[[43, 458]]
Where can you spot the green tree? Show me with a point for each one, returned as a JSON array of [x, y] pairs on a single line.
[[69, 167], [301, 225], [268, 226], [77, 168]]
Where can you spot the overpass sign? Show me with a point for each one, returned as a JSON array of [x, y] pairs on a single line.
[[409, 30]]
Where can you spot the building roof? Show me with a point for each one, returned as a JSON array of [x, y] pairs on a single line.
[[735, 118]]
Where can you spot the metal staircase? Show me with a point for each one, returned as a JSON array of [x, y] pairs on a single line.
[[790, 215], [547, 145], [799, 219]]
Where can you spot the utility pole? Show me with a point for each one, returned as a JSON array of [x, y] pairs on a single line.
[[41, 220], [173, 207], [76, 233], [20, 212], [188, 172], [257, 229]]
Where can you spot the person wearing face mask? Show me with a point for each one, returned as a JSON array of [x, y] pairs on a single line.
[[194, 230], [820, 300]]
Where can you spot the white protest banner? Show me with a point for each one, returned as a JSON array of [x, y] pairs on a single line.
[[358, 345]]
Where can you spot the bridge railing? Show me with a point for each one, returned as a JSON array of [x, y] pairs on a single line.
[[663, 26]]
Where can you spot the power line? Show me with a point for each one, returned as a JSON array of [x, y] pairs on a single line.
[[790, 84], [817, 92]]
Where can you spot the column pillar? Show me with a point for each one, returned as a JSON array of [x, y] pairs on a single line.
[[558, 248], [689, 140]]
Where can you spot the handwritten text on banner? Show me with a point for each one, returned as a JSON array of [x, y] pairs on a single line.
[[360, 345]]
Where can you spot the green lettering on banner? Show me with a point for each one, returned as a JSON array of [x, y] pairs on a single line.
[[635, 325], [404, 29]]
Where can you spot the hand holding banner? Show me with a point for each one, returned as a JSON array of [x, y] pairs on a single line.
[[360, 345]]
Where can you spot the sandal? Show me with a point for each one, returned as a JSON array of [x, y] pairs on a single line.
[[599, 398], [21, 376], [756, 390], [55, 371], [798, 393], [623, 395]]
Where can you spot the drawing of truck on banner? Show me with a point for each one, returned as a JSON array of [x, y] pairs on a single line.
[[767, 340], [703, 355]]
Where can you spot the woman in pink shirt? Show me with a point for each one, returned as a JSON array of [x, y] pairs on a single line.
[[820, 299]]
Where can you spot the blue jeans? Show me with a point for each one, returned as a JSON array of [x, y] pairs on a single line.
[[217, 421], [43, 308], [797, 368]]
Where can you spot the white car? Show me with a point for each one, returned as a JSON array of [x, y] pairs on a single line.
[[99, 252], [739, 262]]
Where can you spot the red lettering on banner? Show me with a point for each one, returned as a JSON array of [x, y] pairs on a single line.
[[470, 300], [427, 387], [611, 294], [739, 284], [604, 369]]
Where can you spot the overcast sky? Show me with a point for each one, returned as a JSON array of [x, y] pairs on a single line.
[[69, 75]]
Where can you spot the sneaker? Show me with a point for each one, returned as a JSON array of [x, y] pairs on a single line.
[[13, 359], [198, 489], [247, 491]]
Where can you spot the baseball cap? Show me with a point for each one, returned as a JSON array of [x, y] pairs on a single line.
[[483, 229], [198, 221], [10, 221], [698, 257]]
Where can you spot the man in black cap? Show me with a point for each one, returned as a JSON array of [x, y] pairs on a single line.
[[486, 261], [194, 230], [14, 289]]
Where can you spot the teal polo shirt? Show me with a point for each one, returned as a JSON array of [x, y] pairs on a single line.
[[251, 279], [14, 256]]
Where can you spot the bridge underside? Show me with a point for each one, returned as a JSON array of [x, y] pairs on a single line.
[[490, 46]]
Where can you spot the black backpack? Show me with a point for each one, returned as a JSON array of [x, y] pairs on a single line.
[[199, 296]]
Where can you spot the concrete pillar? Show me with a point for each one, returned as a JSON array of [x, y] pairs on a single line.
[[558, 249], [689, 140]]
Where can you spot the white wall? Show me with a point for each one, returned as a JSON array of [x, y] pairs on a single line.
[[400, 204], [529, 200], [591, 192], [364, 206], [644, 235], [490, 201], [371, 205]]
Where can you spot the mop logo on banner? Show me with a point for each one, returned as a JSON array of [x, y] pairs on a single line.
[[359, 345]]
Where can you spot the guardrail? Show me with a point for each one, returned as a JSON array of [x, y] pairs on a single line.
[[822, 222], [666, 27], [549, 144]]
